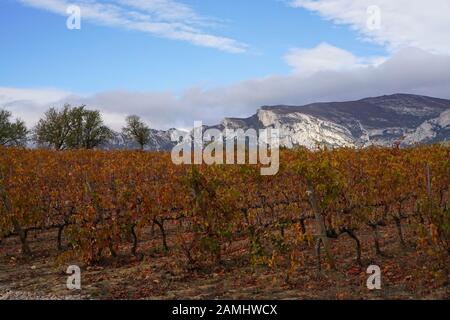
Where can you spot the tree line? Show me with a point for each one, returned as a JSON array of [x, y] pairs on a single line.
[[70, 128]]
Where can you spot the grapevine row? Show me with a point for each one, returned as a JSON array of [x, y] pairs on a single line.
[[100, 202]]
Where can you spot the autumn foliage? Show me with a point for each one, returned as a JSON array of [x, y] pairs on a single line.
[[102, 202]]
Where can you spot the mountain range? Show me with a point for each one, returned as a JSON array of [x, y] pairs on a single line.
[[400, 118]]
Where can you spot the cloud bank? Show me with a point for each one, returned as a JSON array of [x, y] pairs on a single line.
[[408, 71], [326, 57]]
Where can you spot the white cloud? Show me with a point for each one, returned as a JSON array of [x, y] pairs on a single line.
[[30, 104], [404, 23], [38, 96], [164, 18], [168, 10], [408, 71], [326, 57]]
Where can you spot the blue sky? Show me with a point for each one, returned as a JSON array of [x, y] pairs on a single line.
[[177, 61], [39, 51]]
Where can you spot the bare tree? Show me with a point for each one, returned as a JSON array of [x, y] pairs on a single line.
[[137, 131]]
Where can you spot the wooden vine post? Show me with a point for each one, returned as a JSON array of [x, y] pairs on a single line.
[[323, 238]]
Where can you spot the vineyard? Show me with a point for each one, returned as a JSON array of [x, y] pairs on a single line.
[[98, 207]]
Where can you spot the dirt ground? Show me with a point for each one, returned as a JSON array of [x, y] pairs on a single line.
[[406, 274]]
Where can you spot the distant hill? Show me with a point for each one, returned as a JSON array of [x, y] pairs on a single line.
[[409, 119]]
